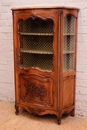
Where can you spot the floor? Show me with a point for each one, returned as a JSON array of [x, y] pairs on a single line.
[[25, 121]]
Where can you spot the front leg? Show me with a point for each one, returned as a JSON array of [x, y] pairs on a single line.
[[59, 118], [72, 113], [59, 121], [17, 110]]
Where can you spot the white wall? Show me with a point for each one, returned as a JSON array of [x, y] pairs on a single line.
[[6, 49]]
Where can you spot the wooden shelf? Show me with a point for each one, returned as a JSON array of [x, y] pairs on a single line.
[[69, 34], [36, 34], [35, 51], [68, 52]]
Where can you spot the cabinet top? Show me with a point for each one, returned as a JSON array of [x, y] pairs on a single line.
[[44, 7]]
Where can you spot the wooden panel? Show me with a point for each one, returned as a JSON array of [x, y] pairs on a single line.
[[36, 89], [68, 91]]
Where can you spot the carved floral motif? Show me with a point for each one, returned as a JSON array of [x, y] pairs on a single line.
[[33, 91]]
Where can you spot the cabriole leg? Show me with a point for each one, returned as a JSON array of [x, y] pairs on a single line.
[[72, 113], [17, 110], [59, 118], [59, 121]]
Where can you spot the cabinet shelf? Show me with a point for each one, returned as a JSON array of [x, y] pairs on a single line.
[[68, 52], [69, 34], [35, 51], [36, 34]]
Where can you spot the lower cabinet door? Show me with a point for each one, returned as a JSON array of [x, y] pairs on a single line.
[[36, 90]]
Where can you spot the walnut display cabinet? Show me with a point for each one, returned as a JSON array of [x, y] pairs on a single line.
[[45, 40]]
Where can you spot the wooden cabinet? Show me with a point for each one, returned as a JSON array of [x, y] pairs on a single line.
[[45, 40]]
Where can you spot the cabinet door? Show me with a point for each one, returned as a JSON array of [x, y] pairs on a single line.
[[68, 57], [36, 89], [35, 43]]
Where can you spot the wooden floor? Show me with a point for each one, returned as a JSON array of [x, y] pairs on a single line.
[[25, 121]]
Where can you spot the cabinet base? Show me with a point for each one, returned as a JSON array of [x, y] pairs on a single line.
[[41, 112]]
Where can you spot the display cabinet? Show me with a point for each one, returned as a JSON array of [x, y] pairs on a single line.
[[45, 42]]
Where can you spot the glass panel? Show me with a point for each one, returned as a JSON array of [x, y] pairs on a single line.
[[68, 62], [36, 39], [39, 43], [69, 25], [69, 43], [36, 25], [35, 60]]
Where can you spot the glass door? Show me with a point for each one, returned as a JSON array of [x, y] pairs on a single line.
[[36, 39]]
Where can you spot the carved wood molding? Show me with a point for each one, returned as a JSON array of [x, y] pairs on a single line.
[[68, 77], [35, 111], [60, 12]]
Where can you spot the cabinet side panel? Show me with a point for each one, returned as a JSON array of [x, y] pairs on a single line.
[[68, 91], [68, 36]]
